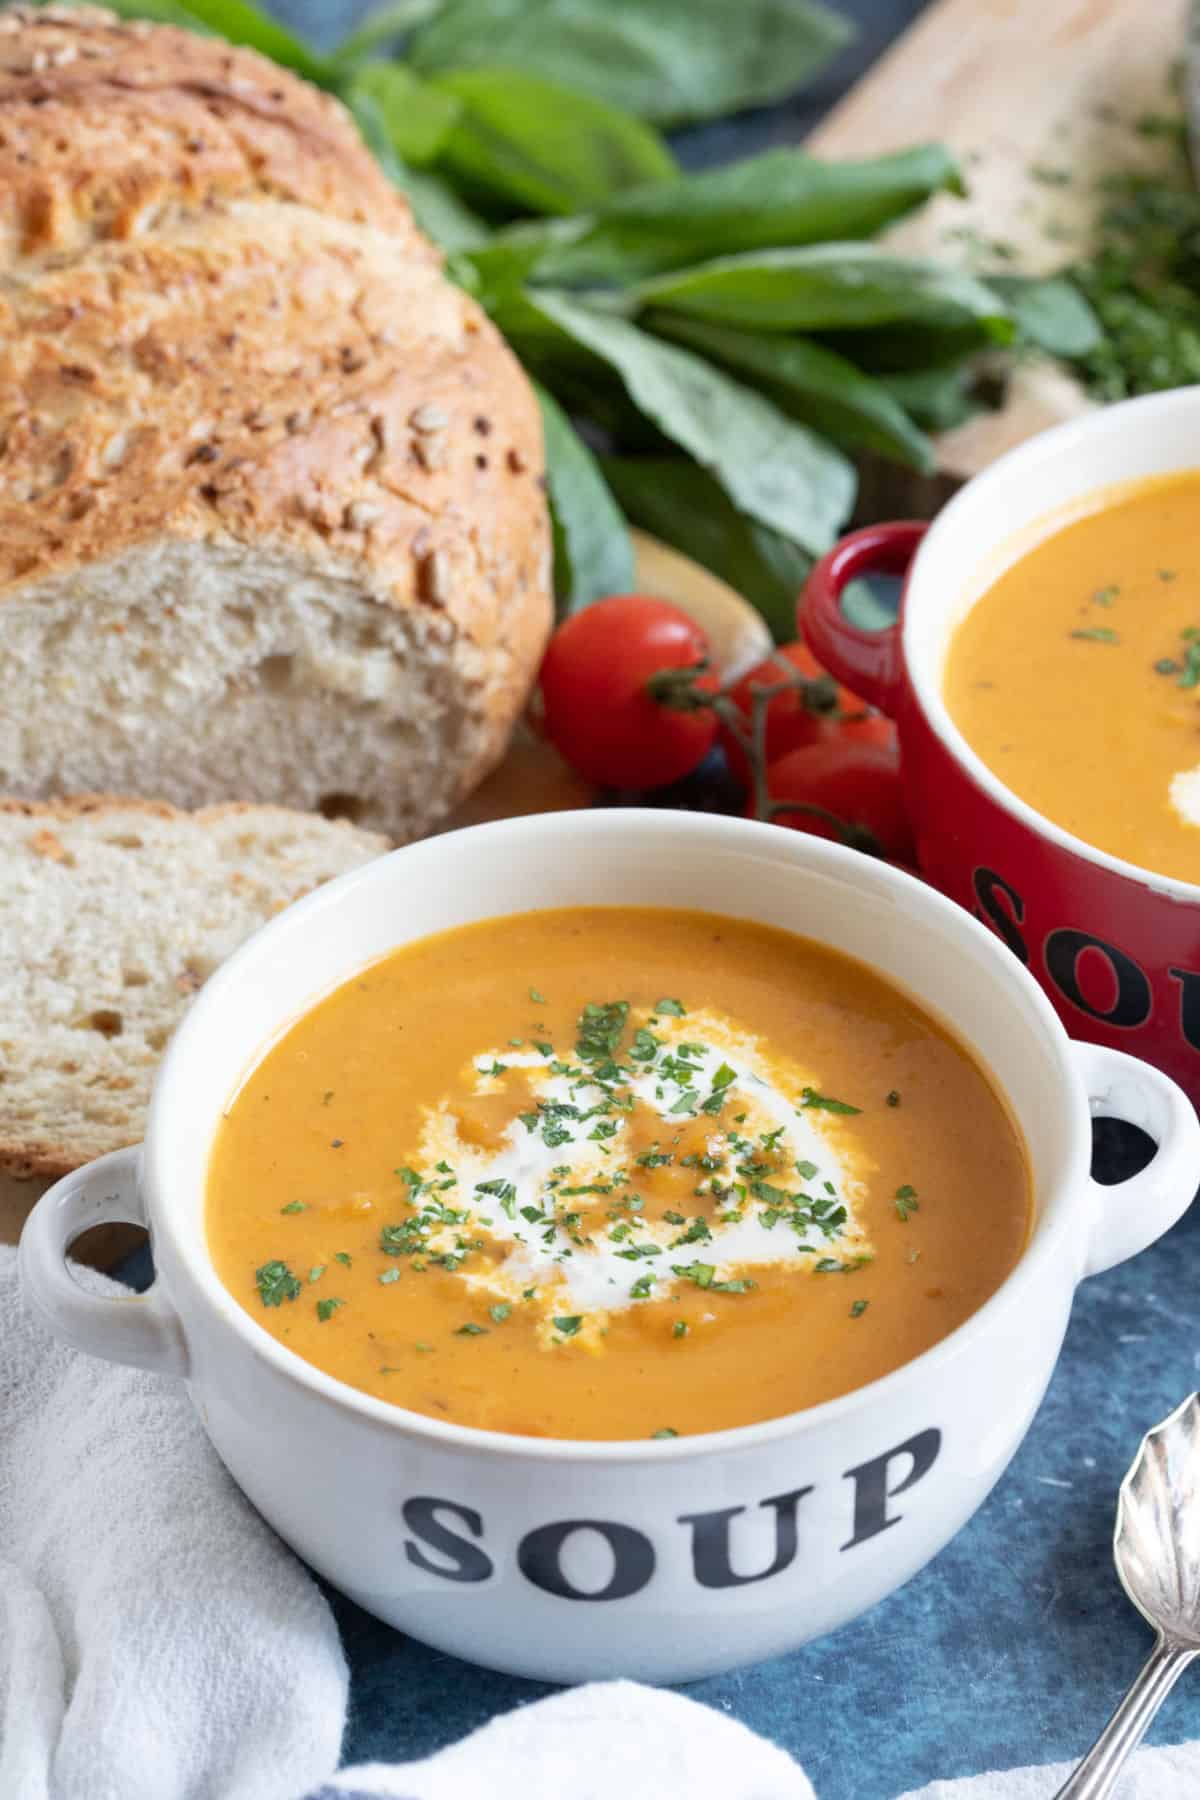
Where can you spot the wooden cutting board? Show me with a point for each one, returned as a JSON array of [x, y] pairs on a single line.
[[1040, 100]]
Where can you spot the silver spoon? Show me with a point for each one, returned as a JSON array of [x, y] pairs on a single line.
[[1156, 1547]]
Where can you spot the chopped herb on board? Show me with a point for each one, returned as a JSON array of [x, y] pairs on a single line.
[[276, 1283], [1097, 634], [327, 1308]]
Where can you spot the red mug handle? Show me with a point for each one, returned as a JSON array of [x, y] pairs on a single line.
[[869, 663]]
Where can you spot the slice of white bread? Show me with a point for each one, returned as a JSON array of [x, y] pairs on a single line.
[[112, 914]]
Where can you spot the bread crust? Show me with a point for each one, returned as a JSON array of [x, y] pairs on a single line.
[[225, 328]]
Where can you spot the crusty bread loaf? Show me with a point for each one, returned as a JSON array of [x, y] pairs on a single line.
[[272, 520], [112, 913]]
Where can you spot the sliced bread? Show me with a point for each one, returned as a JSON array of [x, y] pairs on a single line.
[[112, 913]]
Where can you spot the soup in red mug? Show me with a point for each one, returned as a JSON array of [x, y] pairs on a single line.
[[1099, 907]]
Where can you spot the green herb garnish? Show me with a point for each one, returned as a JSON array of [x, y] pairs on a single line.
[[295, 1206], [327, 1308], [1097, 634], [470, 1329], [810, 1098], [499, 1312], [568, 1325], [906, 1202], [276, 1283], [665, 1431], [858, 1308]]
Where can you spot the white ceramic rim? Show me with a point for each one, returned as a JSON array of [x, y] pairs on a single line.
[[1047, 446], [1049, 1231]]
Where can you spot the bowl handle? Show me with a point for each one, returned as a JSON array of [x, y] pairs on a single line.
[[869, 663], [143, 1329], [1129, 1215]]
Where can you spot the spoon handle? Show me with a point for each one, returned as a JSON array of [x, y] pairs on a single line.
[[1097, 1774]]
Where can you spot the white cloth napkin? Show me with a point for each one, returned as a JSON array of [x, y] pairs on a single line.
[[157, 1642]]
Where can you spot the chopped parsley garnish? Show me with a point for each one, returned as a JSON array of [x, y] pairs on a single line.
[[641, 1287], [906, 1202], [542, 1047], [1191, 666], [276, 1283], [724, 1076], [340, 1256], [893, 1098], [645, 1046], [809, 1097], [805, 1169], [687, 1101], [568, 1325], [670, 1008], [858, 1308], [503, 1191], [497, 1068], [654, 1159], [327, 1308], [665, 1431], [295, 1206], [770, 1139], [538, 999], [388, 1276], [470, 1329], [499, 1312], [680, 1328], [316, 1272], [1106, 595], [1097, 634]]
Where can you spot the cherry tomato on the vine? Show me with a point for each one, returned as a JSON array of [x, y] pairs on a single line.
[[793, 719], [598, 693], [856, 789]]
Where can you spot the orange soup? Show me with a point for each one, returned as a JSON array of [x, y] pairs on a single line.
[[614, 1173], [1076, 676]]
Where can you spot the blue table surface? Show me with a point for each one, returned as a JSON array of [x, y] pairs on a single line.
[[1013, 1645]]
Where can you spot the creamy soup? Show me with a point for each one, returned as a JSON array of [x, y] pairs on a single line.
[[1076, 677], [614, 1173]]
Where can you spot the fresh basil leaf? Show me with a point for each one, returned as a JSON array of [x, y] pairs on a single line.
[[938, 399], [772, 468], [812, 384], [783, 197], [685, 507], [830, 287], [503, 264], [526, 142], [1049, 313], [435, 206], [417, 116], [243, 23], [669, 61], [381, 27], [593, 555]]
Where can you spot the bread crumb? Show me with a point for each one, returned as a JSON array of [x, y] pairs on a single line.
[[45, 843]]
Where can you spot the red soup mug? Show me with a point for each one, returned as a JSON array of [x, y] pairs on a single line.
[[1116, 947]]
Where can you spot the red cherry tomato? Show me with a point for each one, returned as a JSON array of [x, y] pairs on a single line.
[[598, 710], [868, 728], [856, 788], [792, 721]]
